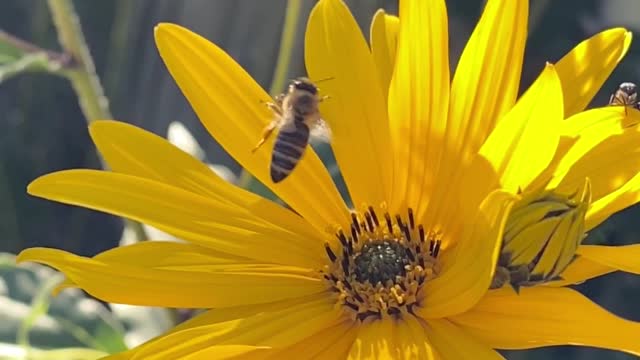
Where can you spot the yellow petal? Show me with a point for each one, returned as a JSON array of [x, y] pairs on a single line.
[[451, 342], [272, 329], [467, 268], [221, 352], [484, 88], [330, 343], [624, 258], [169, 255], [336, 49], [524, 143], [583, 70], [622, 198], [191, 284], [227, 101], [373, 342], [580, 270], [341, 348], [221, 315], [606, 150], [389, 339], [235, 352], [411, 340], [181, 213], [598, 260], [418, 103], [516, 153], [131, 150], [544, 316], [384, 42], [485, 85]]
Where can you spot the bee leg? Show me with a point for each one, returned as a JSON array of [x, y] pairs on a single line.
[[275, 107], [325, 98], [266, 133], [279, 99]]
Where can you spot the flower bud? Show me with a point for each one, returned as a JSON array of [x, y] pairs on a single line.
[[541, 237]]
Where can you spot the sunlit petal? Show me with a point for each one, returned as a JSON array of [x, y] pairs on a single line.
[[622, 198], [227, 101], [336, 49], [452, 342], [192, 284], [181, 213], [384, 43], [392, 340], [545, 316], [606, 150], [418, 102], [268, 330], [131, 150], [486, 81], [468, 268], [585, 68], [529, 125]]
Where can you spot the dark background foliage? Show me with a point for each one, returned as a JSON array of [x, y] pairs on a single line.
[[42, 128]]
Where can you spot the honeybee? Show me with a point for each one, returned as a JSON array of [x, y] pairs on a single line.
[[626, 95], [297, 118]]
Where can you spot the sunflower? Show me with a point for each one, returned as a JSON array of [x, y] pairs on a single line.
[[433, 168]]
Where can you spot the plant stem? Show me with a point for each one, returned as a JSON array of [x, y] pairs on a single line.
[[287, 39], [85, 81]]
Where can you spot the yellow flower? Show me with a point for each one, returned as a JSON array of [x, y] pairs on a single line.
[[432, 170]]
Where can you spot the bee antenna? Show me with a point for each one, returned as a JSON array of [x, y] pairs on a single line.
[[325, 79]]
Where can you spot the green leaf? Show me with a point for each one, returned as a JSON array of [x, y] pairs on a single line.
[[9, 50]]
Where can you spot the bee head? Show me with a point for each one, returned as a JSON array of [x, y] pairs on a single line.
[[303, 84], [628, 88]]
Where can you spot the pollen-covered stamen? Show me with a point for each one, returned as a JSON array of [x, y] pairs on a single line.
[[381, 265]]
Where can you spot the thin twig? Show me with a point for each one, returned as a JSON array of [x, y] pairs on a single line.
[[62, 60]]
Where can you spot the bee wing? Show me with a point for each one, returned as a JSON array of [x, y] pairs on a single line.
[[320, 132]]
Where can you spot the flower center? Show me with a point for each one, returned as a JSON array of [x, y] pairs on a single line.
[[380, 261], [381, 266]]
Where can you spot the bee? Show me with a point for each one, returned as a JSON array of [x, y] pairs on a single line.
[[626, 95], [297, 118]]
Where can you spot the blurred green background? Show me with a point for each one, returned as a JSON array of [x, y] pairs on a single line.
[[42, 128]]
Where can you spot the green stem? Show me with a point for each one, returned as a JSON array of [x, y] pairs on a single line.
[[287, 39], [85, 81]]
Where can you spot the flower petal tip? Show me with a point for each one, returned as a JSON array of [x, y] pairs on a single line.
[[164, 28], [35, 187], [550, 68], [628, 37], [379, 12], [97, 125], [26, 255]]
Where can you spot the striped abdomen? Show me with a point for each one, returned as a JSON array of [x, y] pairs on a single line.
[[289, 146]]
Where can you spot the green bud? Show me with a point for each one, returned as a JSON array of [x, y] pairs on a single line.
[[541, 237]]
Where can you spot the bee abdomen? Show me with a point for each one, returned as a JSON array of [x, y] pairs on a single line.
[[288, 149]]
